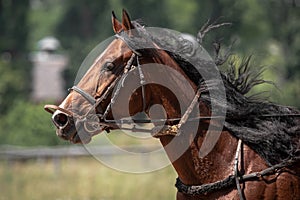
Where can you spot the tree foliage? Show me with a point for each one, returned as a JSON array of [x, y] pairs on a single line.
[[14, 66], [27, 124], [13, 20]]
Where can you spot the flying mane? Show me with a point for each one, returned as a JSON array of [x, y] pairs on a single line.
[[267, 128]]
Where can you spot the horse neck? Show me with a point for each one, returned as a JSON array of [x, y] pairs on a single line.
[[183, 150], [192, 169]]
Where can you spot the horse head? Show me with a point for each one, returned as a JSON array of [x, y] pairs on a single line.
[[93, 105]]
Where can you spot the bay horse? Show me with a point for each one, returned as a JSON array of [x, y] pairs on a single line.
[[258, 150]]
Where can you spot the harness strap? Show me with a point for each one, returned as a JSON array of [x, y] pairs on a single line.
[[187, 113], [164, 130], [236, 169], [230, 180], [121, 36], [205, 188], [142, 82], [86, 95], [119, 85], [52, 108]]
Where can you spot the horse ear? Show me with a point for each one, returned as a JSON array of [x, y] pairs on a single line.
[[117, 26], [127, 25]]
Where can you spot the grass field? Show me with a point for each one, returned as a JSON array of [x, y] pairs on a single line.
[[81, 179]]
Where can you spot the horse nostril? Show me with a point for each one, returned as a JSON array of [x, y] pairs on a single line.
[[60, 120]]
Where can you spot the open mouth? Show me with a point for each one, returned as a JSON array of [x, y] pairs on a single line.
[[74, 137], [80, 134], [76, 129]]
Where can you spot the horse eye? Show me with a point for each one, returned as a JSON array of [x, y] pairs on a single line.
[[108, 66]]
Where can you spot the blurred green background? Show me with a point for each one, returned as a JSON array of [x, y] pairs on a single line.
[[267, 29]]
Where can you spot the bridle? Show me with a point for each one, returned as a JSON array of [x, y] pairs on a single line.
[[116, 85], [95, 103], [102, 123]]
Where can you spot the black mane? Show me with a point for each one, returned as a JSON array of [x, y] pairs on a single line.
[[274, 138], [269, 129]]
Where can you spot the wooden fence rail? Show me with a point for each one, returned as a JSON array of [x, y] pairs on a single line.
[[22, 153]]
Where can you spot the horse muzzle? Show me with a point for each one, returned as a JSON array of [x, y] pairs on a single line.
[[67, 126]]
